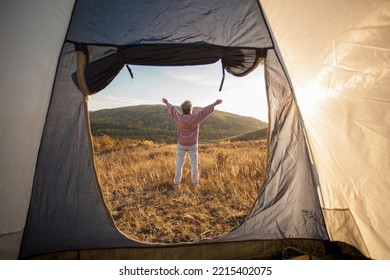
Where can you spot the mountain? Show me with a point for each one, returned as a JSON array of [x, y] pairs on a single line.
[[152, 122], [254, 135]]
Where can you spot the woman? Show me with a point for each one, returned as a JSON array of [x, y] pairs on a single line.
[[188, 134]]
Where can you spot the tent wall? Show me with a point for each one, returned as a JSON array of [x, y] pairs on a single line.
[[337, 54], [67, 210], [32, 33]]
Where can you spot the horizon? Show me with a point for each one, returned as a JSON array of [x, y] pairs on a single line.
[[196, 107], [244, 96]]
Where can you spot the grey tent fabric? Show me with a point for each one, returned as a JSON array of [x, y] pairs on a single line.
[[287, 206], [233, 23], [67, 211]]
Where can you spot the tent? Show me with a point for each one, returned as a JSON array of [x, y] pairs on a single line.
[[327, 78]]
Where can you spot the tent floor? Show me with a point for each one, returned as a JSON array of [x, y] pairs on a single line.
[[259, 249]]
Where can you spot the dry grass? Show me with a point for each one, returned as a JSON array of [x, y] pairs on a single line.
[[136, 179]]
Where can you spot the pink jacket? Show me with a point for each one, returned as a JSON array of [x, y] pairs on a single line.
[[188, 124]]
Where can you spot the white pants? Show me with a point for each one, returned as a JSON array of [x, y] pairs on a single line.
[[181, 153]]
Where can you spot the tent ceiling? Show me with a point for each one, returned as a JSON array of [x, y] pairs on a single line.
[[233, 23]]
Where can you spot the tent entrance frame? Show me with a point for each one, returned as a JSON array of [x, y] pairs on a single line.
[[82, 63]]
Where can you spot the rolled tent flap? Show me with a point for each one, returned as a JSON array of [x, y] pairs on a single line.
[[240, 62], [100, 72]]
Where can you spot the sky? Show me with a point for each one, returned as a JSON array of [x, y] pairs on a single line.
[[241, 95]]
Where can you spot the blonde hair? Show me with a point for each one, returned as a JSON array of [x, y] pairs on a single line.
[[186, 107]]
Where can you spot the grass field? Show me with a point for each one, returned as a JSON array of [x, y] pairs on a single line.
[[136, 179]]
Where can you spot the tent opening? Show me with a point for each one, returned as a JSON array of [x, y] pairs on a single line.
[[135, 151]]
